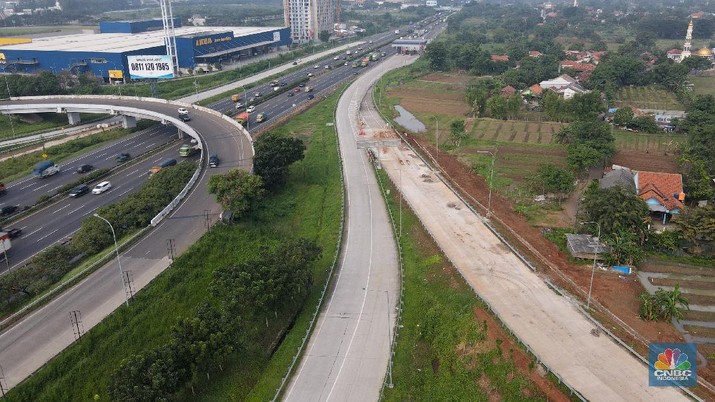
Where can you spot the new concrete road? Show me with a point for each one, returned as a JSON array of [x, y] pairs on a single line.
[[30, 343], [347, 356]]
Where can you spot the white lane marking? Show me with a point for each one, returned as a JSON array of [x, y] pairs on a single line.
[[60, 209], [44, 185], [51, 190], [33, 232], [88, 212], [150, 145], [46, 236], [101, 155], [27, 186], [109, 157], [133, 172], [75, 210], [126, 191]]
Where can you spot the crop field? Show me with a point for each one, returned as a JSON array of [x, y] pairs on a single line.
[[532, 132], [703, 85], [647, 98]]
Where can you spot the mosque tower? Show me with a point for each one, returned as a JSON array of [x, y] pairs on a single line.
[[688, 39]]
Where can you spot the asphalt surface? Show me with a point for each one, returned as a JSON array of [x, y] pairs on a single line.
[[347, 356]]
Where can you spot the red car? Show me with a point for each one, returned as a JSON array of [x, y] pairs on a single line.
[[296, 90]]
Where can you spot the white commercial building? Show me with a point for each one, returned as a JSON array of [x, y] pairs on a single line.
[[307, 18]]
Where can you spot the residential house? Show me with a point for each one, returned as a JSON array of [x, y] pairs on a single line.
[[500, 57], [535, 53], [663, 192], [561, 81], [618, 176], [507, 91], [534, 90]]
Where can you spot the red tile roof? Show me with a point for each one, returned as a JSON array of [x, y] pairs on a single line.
[[507, 91], [500, 57], [536, 89], [535, 53], [576, 66], [661, 187], [675, 51]]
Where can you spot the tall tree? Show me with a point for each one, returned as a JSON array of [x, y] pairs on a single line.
[[616, 209], [436, 52], [274, 155], [237, 191]]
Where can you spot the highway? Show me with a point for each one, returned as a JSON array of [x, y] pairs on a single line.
[[44, 333]]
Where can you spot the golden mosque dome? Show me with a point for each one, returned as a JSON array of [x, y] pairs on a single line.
[[704, 52]]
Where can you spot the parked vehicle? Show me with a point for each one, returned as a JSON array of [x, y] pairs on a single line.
[[8, 210], [45, 169], [79, 191], [187, 150], [261, 117], [166, 163], [123, 157], [85, 168], [214, 161], [101, 187]]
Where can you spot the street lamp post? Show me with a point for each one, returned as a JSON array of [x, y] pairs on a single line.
[[119, 262], [491, 179], [595, 256]]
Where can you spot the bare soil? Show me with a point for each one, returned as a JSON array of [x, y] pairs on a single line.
[[647, 161], [620, 296], [521, 360], [447, 78]]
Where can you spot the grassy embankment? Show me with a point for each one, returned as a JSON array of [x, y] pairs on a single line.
[[50, 121], [309, 206]]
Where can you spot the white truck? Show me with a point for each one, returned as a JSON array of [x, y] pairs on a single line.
[[45, 169]]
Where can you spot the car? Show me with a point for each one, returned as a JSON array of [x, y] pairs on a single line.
[[251, 100], [295, 63], [8, 209], [310, 74], [355, 73], [123, 157], [184, 117], [101, 187], [239, 105], [310, 96], [327, 67], [79, 191], [296, 90], [301, 85], [251, 109], [346, 63], [315, 67], [283, 84], [214, 161], [84, 168], [14, 232], [291, 94], [336, 58], [183, 110], [257, 95]]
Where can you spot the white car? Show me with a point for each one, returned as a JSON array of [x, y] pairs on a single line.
[[183, 110], [251, 109], [239, 105], [101, 187], [310, 74], [315, 67], [335, 58]]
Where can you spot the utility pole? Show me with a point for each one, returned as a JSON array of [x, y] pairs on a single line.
[[76, 322]]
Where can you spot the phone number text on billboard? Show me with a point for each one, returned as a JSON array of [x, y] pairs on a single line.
[[143, 67]]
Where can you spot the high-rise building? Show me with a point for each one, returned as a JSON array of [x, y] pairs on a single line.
[[307, 18]]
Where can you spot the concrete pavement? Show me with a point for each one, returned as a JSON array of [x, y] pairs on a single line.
[[347, 355], [551, 325]]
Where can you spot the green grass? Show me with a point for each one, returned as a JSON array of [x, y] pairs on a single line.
[[647, 98], [308, 206], [626, 140], [50, 121], [703, 85], [442, 351]]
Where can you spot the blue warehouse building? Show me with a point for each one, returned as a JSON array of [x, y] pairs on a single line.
[[107, 51]]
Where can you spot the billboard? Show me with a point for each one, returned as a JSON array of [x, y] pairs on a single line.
[[152, 67]]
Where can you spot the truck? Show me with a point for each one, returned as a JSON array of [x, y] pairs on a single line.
[[45, 169], [242, 118], [187, 150], [4, 244], [308, 88], [356, 64], [374, 56], [364, 62], [162, 165]]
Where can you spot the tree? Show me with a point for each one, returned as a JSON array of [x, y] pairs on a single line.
[[436, 52], [586, 106], [458, 134], [623, 116], [616, 209], [624, 248], [151, 376], [497, 107], [697, 228], [237, 191], [274, 155], [513, 104], [580, 157], [324, 36], [645, 124], [552, 179], [663, 305]]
